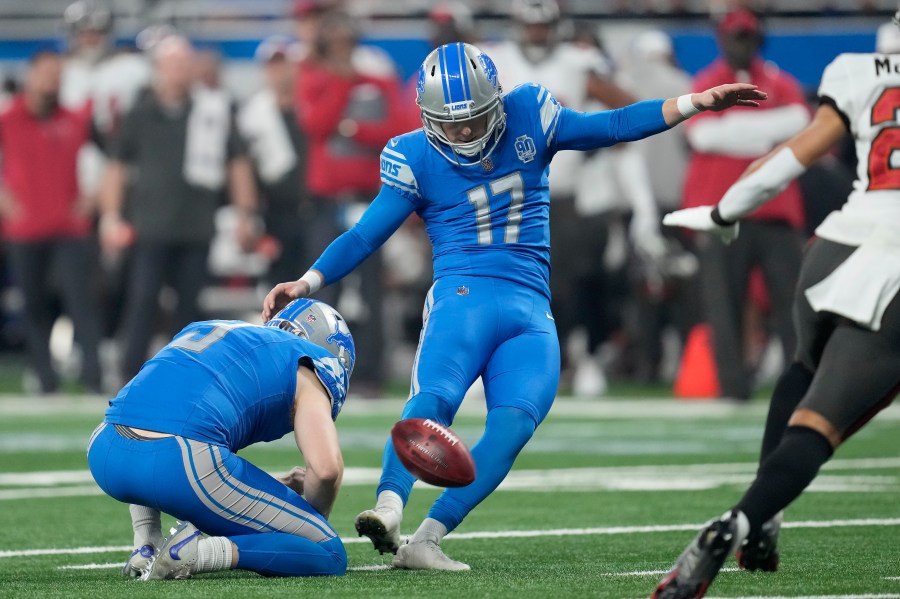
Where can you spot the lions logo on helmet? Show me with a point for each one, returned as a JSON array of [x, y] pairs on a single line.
[[458, 82], [321, 324]]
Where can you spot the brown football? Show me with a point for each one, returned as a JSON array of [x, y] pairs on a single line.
[[433, 453]]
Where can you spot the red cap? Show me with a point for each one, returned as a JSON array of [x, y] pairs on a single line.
[[739, 20]]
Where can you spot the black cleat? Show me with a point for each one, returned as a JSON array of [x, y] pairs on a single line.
[[760, 549], [700, 562]]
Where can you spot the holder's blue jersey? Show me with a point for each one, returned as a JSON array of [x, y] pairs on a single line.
[[225, 382], [490, 219]]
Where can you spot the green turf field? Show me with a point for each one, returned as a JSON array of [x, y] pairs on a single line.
[[603, 499]]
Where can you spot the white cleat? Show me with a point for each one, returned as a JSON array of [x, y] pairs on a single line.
[[139, 562], [382, 527], [178, 556], [426, 555]]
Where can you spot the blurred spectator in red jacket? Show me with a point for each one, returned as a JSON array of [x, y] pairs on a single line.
[[724, 145], [46, 222], [348, 115]]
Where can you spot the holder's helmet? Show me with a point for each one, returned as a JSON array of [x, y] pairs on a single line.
[[458, 82], [320, 324]]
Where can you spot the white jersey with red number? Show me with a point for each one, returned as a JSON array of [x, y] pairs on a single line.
[[865, 90], [564, 72]]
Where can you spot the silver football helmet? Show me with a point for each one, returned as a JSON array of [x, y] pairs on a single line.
[[458, 82], [321, 324]]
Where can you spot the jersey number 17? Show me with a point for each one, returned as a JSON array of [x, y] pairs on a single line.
[[514, 186]]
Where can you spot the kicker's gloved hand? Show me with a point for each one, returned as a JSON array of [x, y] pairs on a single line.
[[701, 219]]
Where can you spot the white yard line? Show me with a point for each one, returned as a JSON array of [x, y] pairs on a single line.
[[510, 534], [546, 477], [648, 572], [111, 565], [606, 408]]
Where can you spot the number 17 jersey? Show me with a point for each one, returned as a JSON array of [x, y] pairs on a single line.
[[490, 219]]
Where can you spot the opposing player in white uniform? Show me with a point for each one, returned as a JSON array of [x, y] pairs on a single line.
[[846, 311]]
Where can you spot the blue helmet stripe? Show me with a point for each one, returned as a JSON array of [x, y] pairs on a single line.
[[465, 72], [442, 53], [455, 91]]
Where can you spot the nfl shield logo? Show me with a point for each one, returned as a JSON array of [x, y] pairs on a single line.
[[310, 318], [462, 290], [525, 149], [487, 164]]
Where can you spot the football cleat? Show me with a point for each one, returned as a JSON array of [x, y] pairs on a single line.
[[698, 565], [178, 556], [382, 527], [426, 555], [760, 549], [139, 562]]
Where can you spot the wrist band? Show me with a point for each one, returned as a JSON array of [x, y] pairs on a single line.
[[719, 219], [686, 106], [314, 280]]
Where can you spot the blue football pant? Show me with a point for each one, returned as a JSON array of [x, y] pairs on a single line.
[[276, 531], [503, 332]]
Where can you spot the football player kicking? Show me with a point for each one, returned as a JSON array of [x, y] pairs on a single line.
[[476, 173], [846, 312], [170, 437]]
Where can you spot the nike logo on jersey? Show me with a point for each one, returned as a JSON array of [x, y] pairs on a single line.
[[550, 316]]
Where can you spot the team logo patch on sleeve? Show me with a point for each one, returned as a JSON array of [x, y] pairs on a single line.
[[525, 148]]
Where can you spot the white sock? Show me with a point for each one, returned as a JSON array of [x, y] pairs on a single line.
[[147, 525], [430, 530], [214, 554], [388, 500]]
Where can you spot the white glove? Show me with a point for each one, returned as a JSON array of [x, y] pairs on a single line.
[[700, 219]]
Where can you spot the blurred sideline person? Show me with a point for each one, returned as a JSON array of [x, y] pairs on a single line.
[[46, 221], [170, 439], [476, 173], [846, 311], [178, 148], [664, 285], [308, 15], [724, 145], [279, 149], [348, 115], [96, 72], [581, 78]]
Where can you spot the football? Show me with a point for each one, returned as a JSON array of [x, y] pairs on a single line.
[[433, 453]]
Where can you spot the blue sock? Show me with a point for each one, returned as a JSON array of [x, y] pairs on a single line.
[[282, 554], [506, 432], [394, 476]]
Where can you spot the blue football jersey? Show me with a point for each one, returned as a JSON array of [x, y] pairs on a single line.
[[226, 382], [490, 219]]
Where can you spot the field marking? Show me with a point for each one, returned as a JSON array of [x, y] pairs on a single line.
[[510, 534], [48, 484], [111, 565], [608, 408], [655, 572]]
